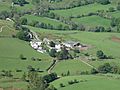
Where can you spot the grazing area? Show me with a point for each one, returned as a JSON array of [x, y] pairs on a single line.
[[45, 20], [59, 44], [82, 10], [88, 82], [92, 21]]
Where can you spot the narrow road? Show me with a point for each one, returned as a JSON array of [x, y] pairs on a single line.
[[51, 68], [82, 59]]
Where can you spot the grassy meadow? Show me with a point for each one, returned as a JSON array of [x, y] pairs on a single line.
[[92, 21], [82, 10], [88, 82], [109, 42], [45, 20]]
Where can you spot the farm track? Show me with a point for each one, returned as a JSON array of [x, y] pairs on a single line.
[[1, 29], [88, 64], [51, 68]]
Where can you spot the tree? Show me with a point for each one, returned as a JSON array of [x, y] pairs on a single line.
[[24, 77], [62, 85], [5, 14], [63, 54], [22, 57], [19, 2], [118, 7], [23, 21], [111, 9], [52, 44], [68, 73], [100, 54], [94, 71], [36, 82], [24, 34], [50, 77], [52, 53], [106, 68]]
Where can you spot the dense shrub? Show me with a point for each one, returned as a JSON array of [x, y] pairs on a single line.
[[62, 85], [100, 55], [104, 2], [50, 77]]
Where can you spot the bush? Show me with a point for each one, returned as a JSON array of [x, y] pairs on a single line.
[[50, 77], [106, 68], [94, 71], [22, 57], [62, 85], [118, 7], [70, 82], [52, 53], [33, 59], [104, 2], [76, 81], [111, 9], [18, 70], [100, 55]]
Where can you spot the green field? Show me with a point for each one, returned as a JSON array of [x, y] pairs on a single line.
[[14, 47], [89, 82], [116, 14], [7, 28], [10, 51], [9, 82], [82, 10], [11, 48], [92, 21], [45, 20], [74, 66], [5, 5]]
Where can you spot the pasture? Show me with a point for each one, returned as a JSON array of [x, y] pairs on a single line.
[[75, 67], [92, 21], [83, 10], [45, 20], [88, 82]]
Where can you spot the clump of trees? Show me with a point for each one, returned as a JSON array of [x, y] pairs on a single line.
[[50, 77], [104, 2], [63, 54], [73, 81], [24, 34], [20, 2], [37, 82], [7, 73], [100, 54], [97, 29], [116, 23], [106, 68], [5, 14]]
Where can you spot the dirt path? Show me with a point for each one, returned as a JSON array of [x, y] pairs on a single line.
[[88, 64], [1, 29]]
